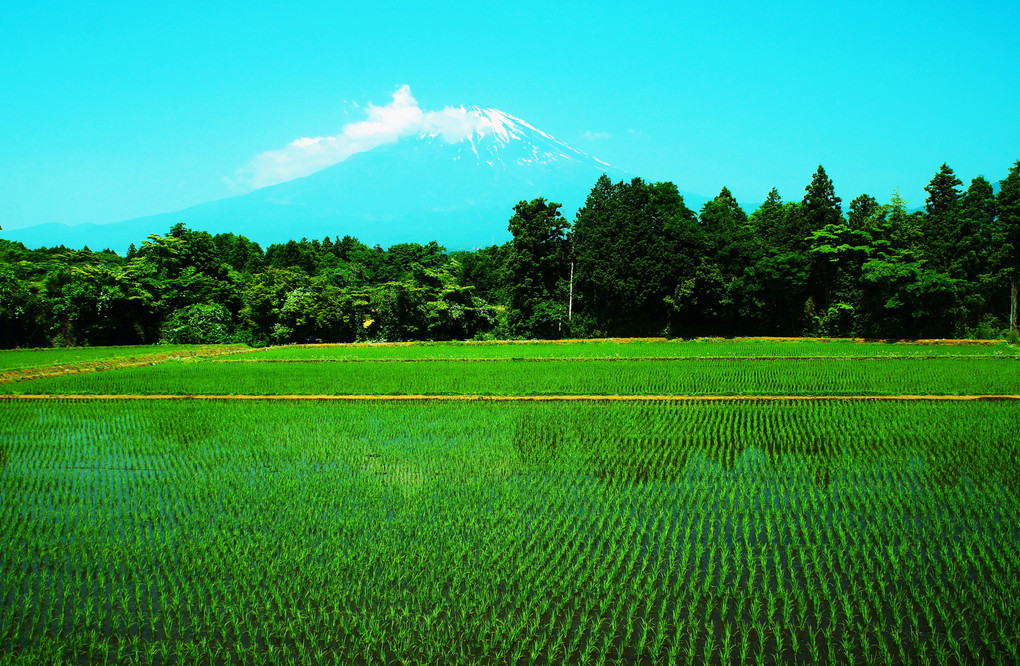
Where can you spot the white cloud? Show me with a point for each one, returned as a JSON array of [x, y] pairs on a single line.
[[402, 117], [595, 136]]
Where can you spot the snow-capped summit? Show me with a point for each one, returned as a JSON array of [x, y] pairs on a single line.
[[496, 131], [496, 138]]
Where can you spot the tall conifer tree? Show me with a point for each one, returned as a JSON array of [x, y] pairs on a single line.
[[1009, 224]]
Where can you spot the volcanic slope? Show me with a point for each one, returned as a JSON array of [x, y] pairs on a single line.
[[421, 188]]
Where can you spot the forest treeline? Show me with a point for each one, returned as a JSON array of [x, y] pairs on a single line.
[[635, 261]]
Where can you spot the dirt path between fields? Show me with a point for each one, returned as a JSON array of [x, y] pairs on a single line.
[[101, 365], [520, 398]]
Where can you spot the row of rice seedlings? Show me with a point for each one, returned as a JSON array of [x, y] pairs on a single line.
[[474, 533], [949, 376], [848, 576], [702, 348]]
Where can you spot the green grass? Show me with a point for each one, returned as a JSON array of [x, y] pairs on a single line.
[[644, 532], [509, 533], [630, 349], [20, 359], [947, 376]]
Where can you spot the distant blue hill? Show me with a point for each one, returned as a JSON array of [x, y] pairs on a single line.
[[416, 190]]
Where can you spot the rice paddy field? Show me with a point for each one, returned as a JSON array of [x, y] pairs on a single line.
[[21, 359], [639, 348], [821, 507]]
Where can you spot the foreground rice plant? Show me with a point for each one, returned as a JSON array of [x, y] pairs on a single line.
[[646, 532]]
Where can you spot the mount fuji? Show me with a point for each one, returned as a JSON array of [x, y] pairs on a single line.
[[417, 188]]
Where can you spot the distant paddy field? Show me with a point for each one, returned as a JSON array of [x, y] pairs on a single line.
[[19, 359], [19, 364], [590, 502], [632, 349]]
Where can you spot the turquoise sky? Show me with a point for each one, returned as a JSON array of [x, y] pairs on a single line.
[[116, 110]]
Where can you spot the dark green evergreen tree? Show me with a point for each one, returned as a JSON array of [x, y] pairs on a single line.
[[820, 206], [634, 243], [537, 270], [768, 220], [971, 265], [714, 294], [820, 211], [940, 230], [1008, 237], [862, 212], [777, 281], [839, 250]]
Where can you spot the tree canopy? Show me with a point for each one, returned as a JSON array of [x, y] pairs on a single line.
[[635, 261]]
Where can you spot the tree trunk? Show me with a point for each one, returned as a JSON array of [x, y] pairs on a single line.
[[1012, 301], [570, 299]]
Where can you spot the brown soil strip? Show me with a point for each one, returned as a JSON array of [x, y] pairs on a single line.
[[40, 372], [521, 398]]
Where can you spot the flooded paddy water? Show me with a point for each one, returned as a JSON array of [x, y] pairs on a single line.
[[485, 532]]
